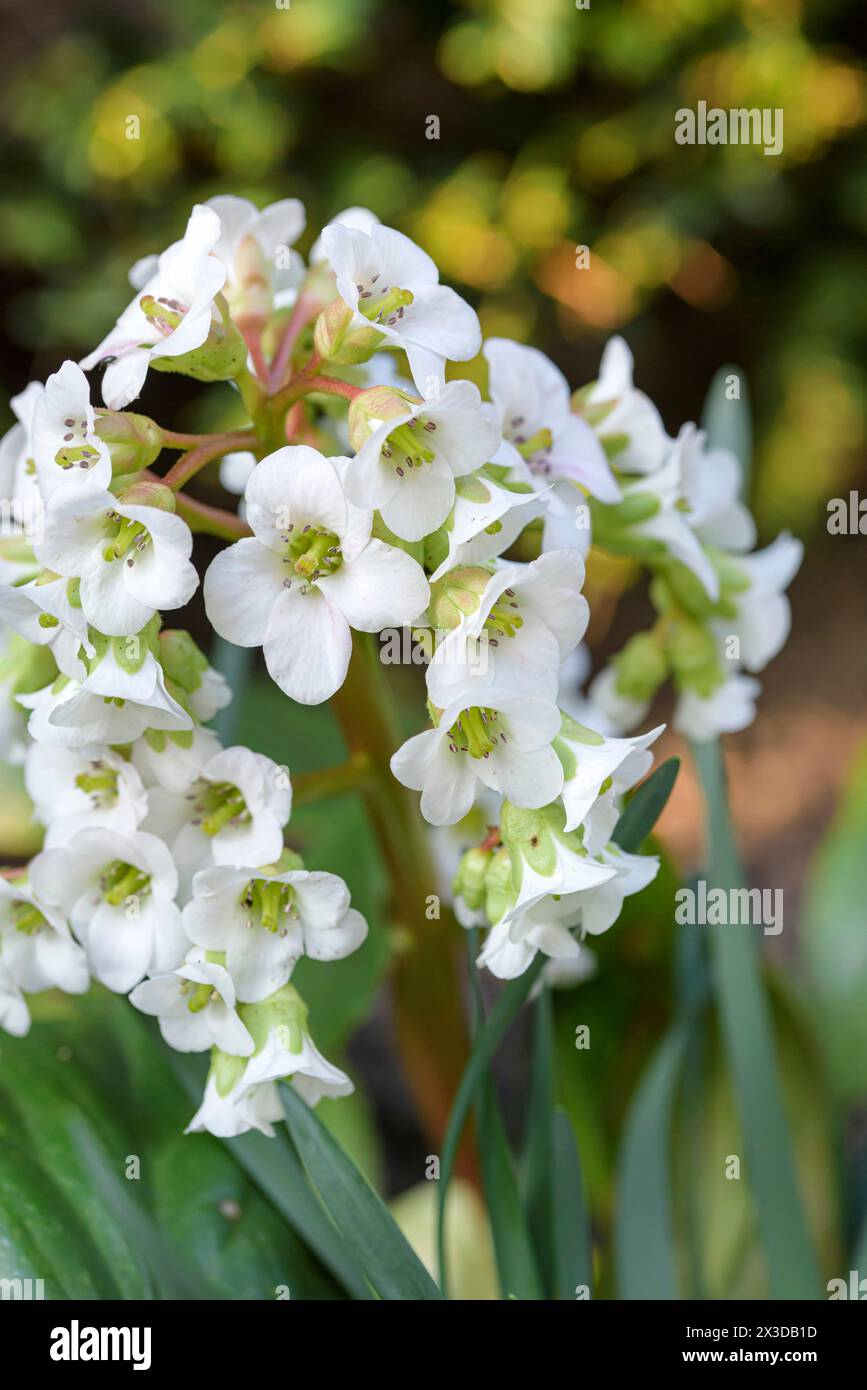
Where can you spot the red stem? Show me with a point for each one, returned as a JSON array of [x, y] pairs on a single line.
[[213, 447]]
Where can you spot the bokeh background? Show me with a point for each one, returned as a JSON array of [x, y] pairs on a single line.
[[555, 129]]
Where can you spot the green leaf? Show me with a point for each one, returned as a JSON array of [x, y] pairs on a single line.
[[539, 1200], [645, 806], [572, 1231], [484, 1047], [274, 1166], [643, 1230], [516, 1261], [366, 1225], [834, 940], [748, 1034]]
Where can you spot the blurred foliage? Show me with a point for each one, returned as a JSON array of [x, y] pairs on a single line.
[[556, 129]]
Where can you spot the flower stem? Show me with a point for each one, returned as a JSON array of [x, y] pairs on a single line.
[[352, 776], [427, 996], [212, 447], [304, 312], [211, 521]]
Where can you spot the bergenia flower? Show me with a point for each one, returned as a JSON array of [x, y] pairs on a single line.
[[174, 761], [72, 789], [118, 892], [410, 451], [265, 922], [196, 1007], [18, 485], [392, 286], [308, 575], [594, 765], [14, 1013], [534, 413], [46, 611], [36, 945], [131, 560], [505, 744], [263, 272], [486, 519], [711, 480], [172, 315], [760, 615], [114, 704], [358, 219], [66, 447], [235, 811], [728, 709], [528, 620], [625, 419]]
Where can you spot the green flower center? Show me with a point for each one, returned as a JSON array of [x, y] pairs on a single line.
[[217, 805], [76, 452], [26, 918], [124, 536], [121, 881], [405, 446], [383, 304], [100, 783], [504, 619], [475, 732], [269, 903], [312, 554]]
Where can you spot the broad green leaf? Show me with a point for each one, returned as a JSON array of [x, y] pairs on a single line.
[[484, 1047], [746, 1022], [833, 939], [574, 1264], [367, 1226], [538, 1158], [516, 1260], [643, 1232], [645, 807]]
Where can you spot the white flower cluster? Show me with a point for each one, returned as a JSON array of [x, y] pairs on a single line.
[[164, 873]]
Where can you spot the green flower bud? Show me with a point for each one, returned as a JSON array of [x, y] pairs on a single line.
[[469, 881], [149, 493], [370, 408], [336, 340], [182, 661], [641, 667], [133, 441], [500, 890], [457, 595]]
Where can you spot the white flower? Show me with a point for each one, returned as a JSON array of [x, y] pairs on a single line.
[[196, 1007], [406, 467], [38, 951], [556, 924], [360, 219], [228, 1113], [630, 420], [730, 708], [19, 490], [118, 892], [174, 761], [288, 1051], [486, 519], [667, 528], [393, 287], [14, 1014], [264, 923], [590, 761], [66, 447], [212, 694], [711, 480], [113, 705], [72, 789], [178, 290], [546, 860], [531, 397], [234, 812], [131, 560], [43, 611], [308, 575], [529, 618], [504, 744], [256, 246], [763, 617], [621, 712]]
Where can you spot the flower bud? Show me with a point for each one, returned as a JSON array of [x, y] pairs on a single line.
[[222, 356], [500, 889], [457, 595], [251, 297], [336, 340], [133, 441], [370, 408], [641, 668], [149, 493], [469, 881], [182, 661]]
